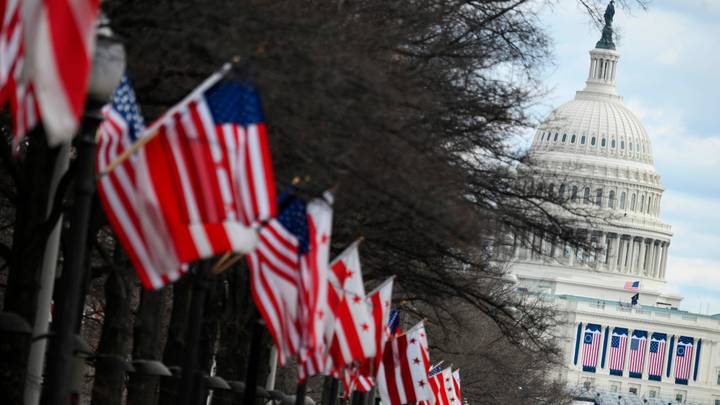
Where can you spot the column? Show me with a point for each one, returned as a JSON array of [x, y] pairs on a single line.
[[613, 253], [604, 250], [571, 259], [655, 258], [622, 249], [663, 265], [641, 257], [630, 264]]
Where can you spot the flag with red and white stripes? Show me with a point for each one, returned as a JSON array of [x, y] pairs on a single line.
[[456, 384], [59, 48], [353, 336], [618, 345], [197, 188], [683, 359], [591, 347], [121, 127], [14, 88], [636, 361], [656, 358], [275, 274], [403, 374]]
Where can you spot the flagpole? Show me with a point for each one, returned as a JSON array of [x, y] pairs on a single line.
[[300, 393], [190, 372], [251, 376], [61, 356], [36, 359]]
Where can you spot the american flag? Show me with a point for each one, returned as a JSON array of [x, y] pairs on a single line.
[[638, 344], [353, 330], [275, 274], [656, 359], [632, 286], [435, 370], [591, 347], [683, 358], [403, 371], [59, 41], [20, 93], [394, 321], [122, 126], [199, 186], [618, 344]]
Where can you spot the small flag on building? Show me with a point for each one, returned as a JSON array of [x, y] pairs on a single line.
[[683, 358], [634, 299], [638, 343], [632, 286], [656, 358]]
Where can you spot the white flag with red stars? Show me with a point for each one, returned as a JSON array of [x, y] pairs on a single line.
[[353, 328], [403, 374]]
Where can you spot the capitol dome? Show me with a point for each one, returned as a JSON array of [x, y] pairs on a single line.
[[595, 154], [596, 122]]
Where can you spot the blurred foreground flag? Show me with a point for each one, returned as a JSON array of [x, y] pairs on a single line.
[[198, 187], [59, 42]]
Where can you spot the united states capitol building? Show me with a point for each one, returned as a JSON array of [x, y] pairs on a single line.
[[596, 152]]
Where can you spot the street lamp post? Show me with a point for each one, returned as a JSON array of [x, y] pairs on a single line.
[[107, 70]]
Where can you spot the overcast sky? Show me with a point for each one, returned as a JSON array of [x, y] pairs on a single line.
[[669, 75]]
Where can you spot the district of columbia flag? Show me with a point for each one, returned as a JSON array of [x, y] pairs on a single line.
[[638, 345], [316, 317], [379, 301], [591, 347], [656, 358], [618, 345], [456, 382], [633, 286], [443, 388], [683, 359], [403, 374], [353, 332]]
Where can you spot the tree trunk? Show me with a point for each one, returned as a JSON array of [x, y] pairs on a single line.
[[115, 341], [173, 354], [33, 185], [142, 389]]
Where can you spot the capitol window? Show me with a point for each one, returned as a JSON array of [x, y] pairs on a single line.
[[556, 135], [622, 145], [564, 138], [642, 203], [603, 142], [582, 140], [632, 203], [717, 372], [592, 141], [598, 197], [573, 196], [622, 200], [586, 196], [561, 191], [612, 144], [572, 139], [611, 199]]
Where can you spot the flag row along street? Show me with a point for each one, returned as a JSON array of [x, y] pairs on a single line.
[[198, 185]]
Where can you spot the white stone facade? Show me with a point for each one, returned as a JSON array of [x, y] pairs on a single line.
[[595, 152]]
